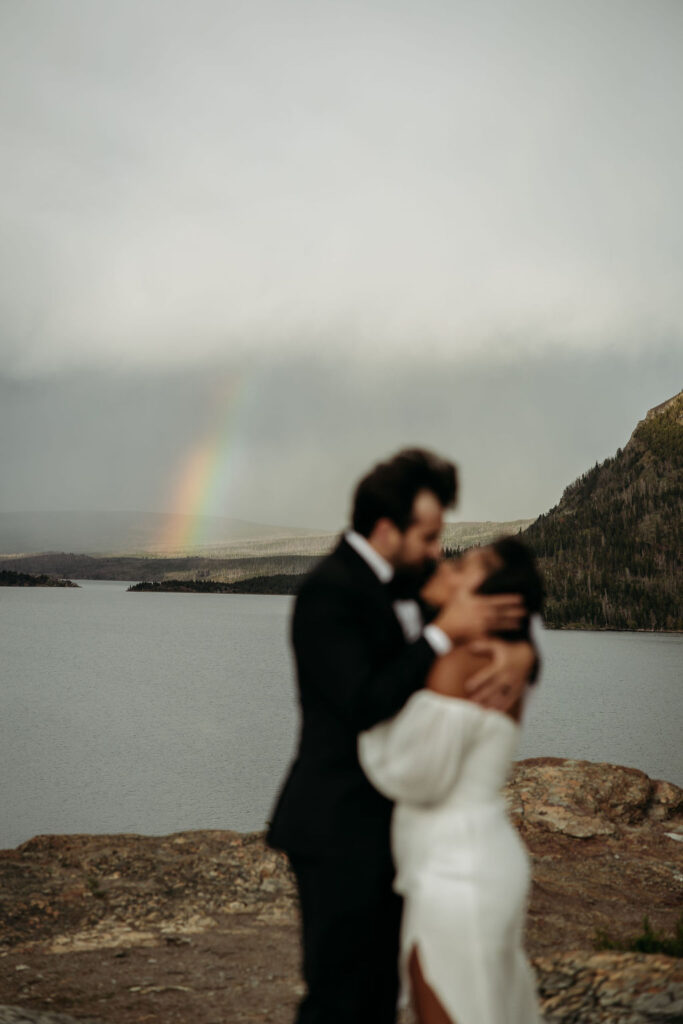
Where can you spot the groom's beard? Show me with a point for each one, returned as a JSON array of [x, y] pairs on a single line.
[[408, 580]]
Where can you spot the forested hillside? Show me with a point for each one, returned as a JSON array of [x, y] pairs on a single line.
[[611, 548]]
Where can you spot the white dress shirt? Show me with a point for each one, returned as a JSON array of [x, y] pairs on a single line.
[[407, 612]]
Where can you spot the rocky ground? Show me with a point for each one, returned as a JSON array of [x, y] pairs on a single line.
[[201, 927]]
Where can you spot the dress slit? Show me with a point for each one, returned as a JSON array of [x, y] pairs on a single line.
[[437, 1011]]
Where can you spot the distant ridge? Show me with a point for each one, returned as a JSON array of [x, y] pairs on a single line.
[[245, 559], [611, 549], [467, 535], [111, 533], [107, 534]]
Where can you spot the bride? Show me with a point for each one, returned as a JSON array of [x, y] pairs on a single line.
[[460, 865]]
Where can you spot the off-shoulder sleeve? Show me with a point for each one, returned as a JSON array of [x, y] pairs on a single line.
[[415, 756]]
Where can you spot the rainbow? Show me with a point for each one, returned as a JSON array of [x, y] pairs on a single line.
[[202, 484]]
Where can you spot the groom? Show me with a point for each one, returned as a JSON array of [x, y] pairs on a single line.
[[361, 650]]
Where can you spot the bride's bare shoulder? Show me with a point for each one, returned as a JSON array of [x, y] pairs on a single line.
[[450, 672]]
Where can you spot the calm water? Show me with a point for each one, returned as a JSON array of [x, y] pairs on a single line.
[[152, 713]]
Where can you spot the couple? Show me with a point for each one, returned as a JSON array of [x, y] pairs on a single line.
[[383, 650]]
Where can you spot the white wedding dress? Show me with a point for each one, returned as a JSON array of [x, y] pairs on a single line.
[[460, 865]]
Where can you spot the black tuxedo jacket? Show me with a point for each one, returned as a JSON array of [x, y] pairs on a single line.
[[354, 670]]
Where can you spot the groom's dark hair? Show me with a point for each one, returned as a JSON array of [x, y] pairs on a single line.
[[389, 490]]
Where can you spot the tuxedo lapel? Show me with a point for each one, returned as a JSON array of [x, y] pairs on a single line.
[[354, 669], [377, 595], [362, 572]]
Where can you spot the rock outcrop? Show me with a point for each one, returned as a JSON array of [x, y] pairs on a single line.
[[18, 1015], [585, 800], [202, 926], [610, 988]]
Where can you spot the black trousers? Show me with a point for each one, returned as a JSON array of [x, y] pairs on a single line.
[[350, 923]]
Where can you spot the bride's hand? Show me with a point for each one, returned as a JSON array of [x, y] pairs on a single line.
[[501, 683]]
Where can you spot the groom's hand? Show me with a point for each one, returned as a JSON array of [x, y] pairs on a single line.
[[503, 681], [470, 615]]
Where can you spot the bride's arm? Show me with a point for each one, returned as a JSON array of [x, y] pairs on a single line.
[[415, 757], [501, 684], [453, 673], [449, 674]]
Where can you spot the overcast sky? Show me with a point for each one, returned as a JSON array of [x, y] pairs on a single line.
[[321, 230]]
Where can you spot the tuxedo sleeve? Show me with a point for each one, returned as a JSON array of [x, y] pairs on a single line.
[[334, 659]]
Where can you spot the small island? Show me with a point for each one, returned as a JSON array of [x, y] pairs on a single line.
[[25, 579], [280, 584]]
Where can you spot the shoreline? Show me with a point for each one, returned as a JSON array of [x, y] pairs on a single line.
[[536, 764], [282, 587], [272, 575]]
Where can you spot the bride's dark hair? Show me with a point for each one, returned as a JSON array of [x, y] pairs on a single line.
[[518, 574]]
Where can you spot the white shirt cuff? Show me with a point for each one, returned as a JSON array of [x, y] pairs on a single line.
[[535, 629], [437, 639]]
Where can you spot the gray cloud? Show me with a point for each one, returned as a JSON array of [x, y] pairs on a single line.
[[184, 183], [288, 438], [296, 235]]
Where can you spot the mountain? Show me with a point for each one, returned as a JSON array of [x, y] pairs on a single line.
[[164, 535], [611, 548], [130, 532], [466, 535]]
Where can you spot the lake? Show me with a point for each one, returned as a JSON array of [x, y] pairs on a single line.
[[155, 713]]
